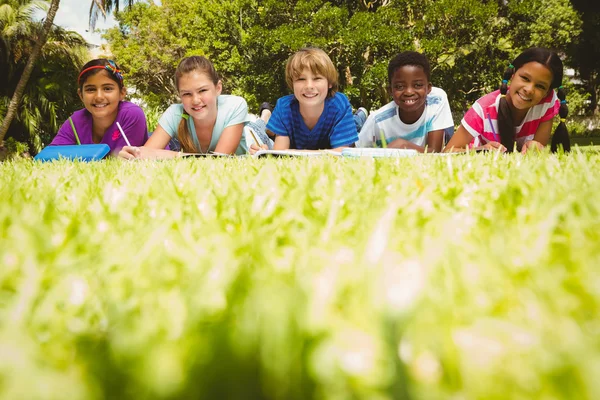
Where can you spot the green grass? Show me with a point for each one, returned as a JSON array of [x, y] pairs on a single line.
[[464, 277]]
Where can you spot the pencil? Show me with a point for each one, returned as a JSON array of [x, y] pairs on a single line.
[[254, 137], [383, 141], [496, 138], [123, 133]]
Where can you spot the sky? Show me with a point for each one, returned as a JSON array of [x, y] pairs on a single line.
[[74, 15]]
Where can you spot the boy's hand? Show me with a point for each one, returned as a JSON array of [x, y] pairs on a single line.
[[531, 145], [254, 148]]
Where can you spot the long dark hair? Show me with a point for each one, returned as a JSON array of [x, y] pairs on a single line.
[[551, 60]]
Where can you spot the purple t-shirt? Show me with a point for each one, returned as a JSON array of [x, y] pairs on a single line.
[[130, 116]]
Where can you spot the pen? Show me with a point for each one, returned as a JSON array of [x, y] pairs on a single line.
[[123, 133]]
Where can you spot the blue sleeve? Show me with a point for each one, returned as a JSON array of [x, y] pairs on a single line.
[[344, 130], [280, 114]]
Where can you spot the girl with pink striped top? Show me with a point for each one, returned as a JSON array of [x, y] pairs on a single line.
[[519, 116]]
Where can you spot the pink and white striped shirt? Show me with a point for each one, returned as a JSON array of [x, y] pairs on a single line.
[[485, 110]]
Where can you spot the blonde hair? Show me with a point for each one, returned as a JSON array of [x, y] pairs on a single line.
[[187, 65], [317, 61]]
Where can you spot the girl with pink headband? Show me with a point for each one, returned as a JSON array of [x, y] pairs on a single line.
[[102, 92]]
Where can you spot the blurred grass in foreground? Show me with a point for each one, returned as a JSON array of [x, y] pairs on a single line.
[[464, 277]]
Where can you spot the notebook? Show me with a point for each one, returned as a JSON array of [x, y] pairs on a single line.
[[83, 152], [295, 153], [377, 152]]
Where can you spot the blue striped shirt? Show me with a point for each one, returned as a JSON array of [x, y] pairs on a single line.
[[335, 127]]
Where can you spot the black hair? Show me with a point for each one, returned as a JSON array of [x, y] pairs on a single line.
[[408, 58], [552, 61], [93, 67]]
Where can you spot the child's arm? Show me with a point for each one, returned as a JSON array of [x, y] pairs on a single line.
[[154, 148], [281, 143], [540, 139], [344, 132], [230, 139], [461, 139], [435, 139]]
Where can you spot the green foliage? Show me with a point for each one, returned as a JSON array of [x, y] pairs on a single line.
[[51, 93], [13, 149], [469, 42], [426, 278]]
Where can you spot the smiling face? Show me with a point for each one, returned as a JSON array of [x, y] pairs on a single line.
[[529, 85], [409, 88], [310, 89], [199, 94], [101, 96]]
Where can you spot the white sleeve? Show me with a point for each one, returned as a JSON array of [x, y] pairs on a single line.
[[443, 116]]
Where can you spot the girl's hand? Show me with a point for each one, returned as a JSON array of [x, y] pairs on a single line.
[[254, 148], [130, 153], [148, 153], [492, 146], [531, 145]]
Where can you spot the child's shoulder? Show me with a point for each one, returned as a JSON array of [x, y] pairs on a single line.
[[231, 100], [285, 101], [385, 112], [436, 96], [489, 99], [130, 107]]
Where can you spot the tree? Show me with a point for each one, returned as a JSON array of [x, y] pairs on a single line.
[[104, 7], [50, 94], [468, 42], [20, 89], [585, 52]]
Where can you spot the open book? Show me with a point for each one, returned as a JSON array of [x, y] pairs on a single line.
[[377, 152], [347, 152], [296, 153]]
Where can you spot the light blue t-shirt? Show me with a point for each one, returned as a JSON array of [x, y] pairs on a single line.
[[231, 110], [436, 116]]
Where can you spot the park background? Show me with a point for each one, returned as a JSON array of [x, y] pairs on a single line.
[[468, 42], [471, 276]]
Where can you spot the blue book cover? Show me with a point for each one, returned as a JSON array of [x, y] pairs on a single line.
[[84, 152]]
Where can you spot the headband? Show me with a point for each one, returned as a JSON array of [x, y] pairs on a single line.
[[110, 67]]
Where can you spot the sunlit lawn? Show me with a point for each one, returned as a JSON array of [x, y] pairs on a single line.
[[463, 277]]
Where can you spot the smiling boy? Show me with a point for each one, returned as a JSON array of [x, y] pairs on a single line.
[[417, 116], [316, 116]]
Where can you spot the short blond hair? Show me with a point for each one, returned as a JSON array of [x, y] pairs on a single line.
[[317, 61]]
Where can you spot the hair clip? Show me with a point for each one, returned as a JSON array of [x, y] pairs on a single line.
[[510, 66], [112, 68], [561, 87]]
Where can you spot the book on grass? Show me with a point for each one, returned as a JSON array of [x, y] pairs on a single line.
[[203, 155], [296, 153], [82, 152], [377, 152]]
